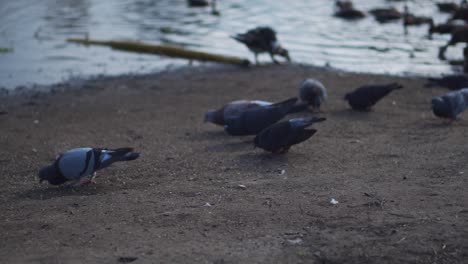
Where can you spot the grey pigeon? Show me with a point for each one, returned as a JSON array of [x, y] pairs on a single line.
[[80, 163], [231, 110], [278, 138], [450, 105], [260, 40], [254, 120], [235, 108], [452, 82], [364, 97], [313, 92]]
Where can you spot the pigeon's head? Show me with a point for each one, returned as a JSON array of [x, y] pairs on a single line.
[[282, 52], [346, 97], [317, 101], [51, 174], [441, 108], [210, 116]]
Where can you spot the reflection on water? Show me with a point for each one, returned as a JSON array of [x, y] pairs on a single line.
[[36, 31]]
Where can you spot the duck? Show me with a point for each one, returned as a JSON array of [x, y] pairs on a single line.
[[447, 7], [443, 28], [346, 10], [261, 40], [198, 3], [384, 15]]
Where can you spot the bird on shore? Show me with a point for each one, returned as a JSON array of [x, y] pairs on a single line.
[[384, 15], [452, 82], [313, 92], [80, 164], [364, 97], [252, 121], [459, 35], [261, 40], [346, 10], [235, 108], [279, 137], [450, 105]]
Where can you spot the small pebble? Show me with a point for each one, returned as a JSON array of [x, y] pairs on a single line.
[[333, 201]]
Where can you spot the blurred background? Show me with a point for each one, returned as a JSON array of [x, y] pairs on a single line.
[[34, 50]]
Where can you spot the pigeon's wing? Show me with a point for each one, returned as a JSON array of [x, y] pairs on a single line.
[[107, 157], [377, 92], [274, 137], [297, 136], [76, 163], [257, 119]]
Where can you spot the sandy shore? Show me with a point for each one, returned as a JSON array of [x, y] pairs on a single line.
[[399, 174]]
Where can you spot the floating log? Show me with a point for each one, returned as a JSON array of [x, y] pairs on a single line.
[[165, 50]]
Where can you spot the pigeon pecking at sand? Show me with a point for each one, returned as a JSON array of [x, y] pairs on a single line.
[[450, 105], [80, 164], [364, 97], [279, 137], [313, 92]]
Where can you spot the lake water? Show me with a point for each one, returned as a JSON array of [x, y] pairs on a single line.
[[35, 32]]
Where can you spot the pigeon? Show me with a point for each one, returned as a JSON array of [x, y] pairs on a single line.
[[80, 164], [450, 105], [232, 109], [260, 40], [364, 97], [313, 92], [278, 138], [452, 82], [254, 120]]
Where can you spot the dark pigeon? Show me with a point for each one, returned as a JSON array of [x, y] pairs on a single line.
[[313, 92], [278, 138], [260, 40], [450, 105], [364, 97], [252, 121], [452, 82], [81, 163]]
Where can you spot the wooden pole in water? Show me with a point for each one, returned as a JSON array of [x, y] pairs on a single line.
[[165, 50]]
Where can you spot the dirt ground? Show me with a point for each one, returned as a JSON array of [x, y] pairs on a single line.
[[400, 175]]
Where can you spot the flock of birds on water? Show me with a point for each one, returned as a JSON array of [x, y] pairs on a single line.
[[262, 119]]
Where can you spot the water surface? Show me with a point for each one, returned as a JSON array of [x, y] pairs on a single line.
[[35, 31]]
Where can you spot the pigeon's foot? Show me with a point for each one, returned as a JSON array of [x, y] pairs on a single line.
[[281, 151]]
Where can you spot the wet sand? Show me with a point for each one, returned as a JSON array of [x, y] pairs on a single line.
[[398, 173]]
